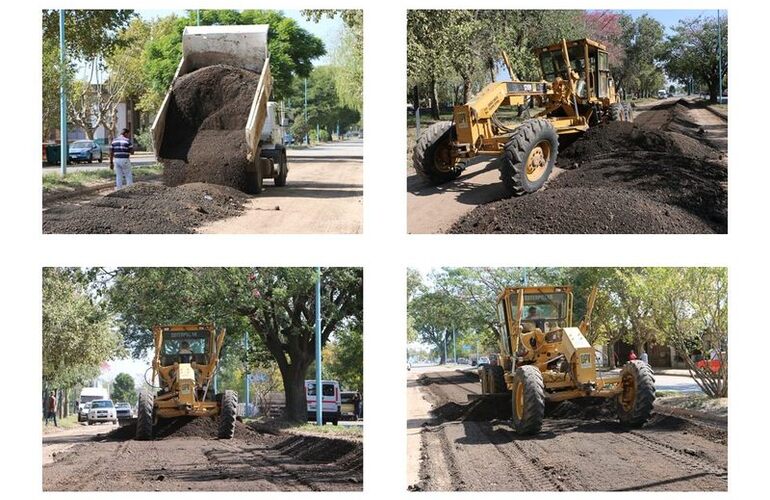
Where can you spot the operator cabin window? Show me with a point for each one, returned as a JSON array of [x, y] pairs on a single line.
[[604, 74], [502, 314]]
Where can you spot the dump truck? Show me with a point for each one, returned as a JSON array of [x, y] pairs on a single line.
[[545, 359], [576, 92], [242, 47], [183, 366]]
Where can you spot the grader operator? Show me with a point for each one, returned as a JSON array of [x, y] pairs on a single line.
[[546, 359], [576, 92], [185, 362]]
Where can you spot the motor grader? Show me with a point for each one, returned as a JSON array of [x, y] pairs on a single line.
[[544, 359], [184, 364], [576, 92]]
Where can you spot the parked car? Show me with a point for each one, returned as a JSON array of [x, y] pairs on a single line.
[[102, 410], [123, 410], [84, 151], [483, 360], [83, 412]]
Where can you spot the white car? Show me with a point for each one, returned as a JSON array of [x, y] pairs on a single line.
[[102, 410], [483, 360], [83, 412]]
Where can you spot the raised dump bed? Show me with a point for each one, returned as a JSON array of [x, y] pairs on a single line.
[[216, 123]]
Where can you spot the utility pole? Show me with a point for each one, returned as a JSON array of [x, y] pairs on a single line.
[[307, 137], [338, 130], [454, 343], [445, 352], [719, 50], [317, 132], [246, 345], [62, 96], [198, 17], [318, 361]]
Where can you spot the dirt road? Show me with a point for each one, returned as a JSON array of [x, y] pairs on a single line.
[[192, 460], [471, 447], [323, 194], [435, 209]]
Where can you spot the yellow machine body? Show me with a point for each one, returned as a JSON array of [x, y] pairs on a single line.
[[560, 351], [576, 82], [184, 376]]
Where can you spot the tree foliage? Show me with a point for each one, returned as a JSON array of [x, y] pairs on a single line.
[[77, 336], [692, 56], [123, 388], [344, 359]]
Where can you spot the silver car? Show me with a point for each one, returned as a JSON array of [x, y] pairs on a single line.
[[102, 410], [83, 410]]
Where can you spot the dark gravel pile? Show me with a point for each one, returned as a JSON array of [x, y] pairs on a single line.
[[147, 208], [204, 137], [621, 179], [202, 427]]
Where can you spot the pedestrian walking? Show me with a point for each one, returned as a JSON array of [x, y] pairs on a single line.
[[51, 410], [120, 150], [644, 357]]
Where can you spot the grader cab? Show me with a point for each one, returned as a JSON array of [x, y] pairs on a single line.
[[546, 359], [184, 365], [576, 92]]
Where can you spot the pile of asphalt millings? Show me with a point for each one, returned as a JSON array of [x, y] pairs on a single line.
[[204, 139], [147, 208], [619, 178], [184, 427]]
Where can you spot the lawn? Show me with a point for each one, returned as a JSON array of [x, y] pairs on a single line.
[[54, 182], [64, 423]]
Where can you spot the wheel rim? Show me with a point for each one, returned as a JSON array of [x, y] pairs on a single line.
[[519, 401], [628, 397], [442, 157], [538, 160]]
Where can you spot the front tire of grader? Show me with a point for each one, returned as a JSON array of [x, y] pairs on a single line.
[[144, 416], [528, 400], [529, 157], [496, 380], [227, 415], [636, 401], [431, 156]]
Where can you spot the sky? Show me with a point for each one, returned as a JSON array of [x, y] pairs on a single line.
[[671, 17]]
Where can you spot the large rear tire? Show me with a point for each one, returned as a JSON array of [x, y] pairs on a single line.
[[227, 415], [496, 380], [283, 169], [431, 156], [616, 112], [529, 157], [638, 397], [144, 416], [528, 400]]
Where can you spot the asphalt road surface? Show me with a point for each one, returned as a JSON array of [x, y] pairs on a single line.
[[462, 452]]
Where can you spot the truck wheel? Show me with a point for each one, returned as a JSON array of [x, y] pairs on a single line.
[[496, 380], [431, 156], [283, 171], [528, 400], [144, 416], [616, 112], [529, 157], [227, 415], [254, 179], [629, 111], [638, 396]]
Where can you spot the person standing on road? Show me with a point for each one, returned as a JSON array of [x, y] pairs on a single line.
[[644, 357], [51, 409], [120, 150]]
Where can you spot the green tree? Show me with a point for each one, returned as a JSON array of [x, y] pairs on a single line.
[[123, 388], [77, 333], [345, 360], [274, 306], [691, 53], [324, 107]]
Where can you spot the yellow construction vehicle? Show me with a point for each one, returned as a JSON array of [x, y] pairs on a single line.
[[184, 364], [546, 359], [576, 92]]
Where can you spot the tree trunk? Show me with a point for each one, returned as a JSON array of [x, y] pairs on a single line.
[[466, 89], [434, 107], [294, 387]]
